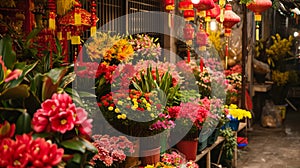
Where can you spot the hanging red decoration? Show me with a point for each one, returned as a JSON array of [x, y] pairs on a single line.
[[230, 19], [214, 12], [189, 15], [185, 5], [259, 6], [94, 18], [202, 41], [169, 5], [77, 21], [204, 5], [52, 14], [188, 35], [201, 38]]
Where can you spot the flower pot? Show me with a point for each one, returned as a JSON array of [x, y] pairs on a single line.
[[188, 148], [150, 156], [133, 159], [234, 124]]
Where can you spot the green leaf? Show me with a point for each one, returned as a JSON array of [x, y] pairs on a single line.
[[137, 87], [74, 144], [56, 74], [7, 52], [23, 124], [89, 146], [41, 135], [48, 88], [26, 70], [86, 94], [33, 34], [76, 158], [67, 79], [21, 91]]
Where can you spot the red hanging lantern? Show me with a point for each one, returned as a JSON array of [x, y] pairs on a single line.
[[259, 6], [185, 5], [202, 41], [230, 19], [189, 15], [204, 5], [188, 34], [214, 12], [169, 5]]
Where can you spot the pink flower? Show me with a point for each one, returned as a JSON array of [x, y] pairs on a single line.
[[13, 75], [7, 130], [85, 127], [81, 115], [40, 121], [63, 121]]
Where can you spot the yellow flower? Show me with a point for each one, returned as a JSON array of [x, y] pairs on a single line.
[[237, 113], [119, 116], [152, 115], [123, 116], [110, 108], [134, 107], [150, 166], [120, 103], [148, 105], [148, 108], [117, 110]]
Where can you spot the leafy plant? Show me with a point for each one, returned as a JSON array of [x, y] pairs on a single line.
[[230, 142]]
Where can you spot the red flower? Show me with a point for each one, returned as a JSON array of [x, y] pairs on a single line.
[[50, 107], [63, 121], [81, 115], [44, 154], [40, 121], [7, 130], [6, 152]]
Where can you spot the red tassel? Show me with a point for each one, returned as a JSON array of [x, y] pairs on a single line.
[[201, 65], [80, 54], [188, 56]]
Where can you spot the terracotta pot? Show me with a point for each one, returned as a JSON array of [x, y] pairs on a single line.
[[150, 156], [133, 159], [188, 148]]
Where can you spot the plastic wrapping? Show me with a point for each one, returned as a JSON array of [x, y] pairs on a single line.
[[271, 115]]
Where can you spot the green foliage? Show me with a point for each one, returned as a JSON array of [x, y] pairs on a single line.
[[230, 142]]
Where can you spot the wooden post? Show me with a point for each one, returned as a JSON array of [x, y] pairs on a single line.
[[244, 55]]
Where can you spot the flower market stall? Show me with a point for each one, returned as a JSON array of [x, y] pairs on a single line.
[[114, 100]]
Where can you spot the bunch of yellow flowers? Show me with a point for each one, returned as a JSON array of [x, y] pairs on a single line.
[[238, 113]]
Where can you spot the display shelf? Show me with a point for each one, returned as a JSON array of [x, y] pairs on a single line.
[[242, 125], [208, 149]]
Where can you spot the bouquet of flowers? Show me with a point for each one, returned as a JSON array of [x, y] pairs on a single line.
[[112, 150], [238, 113], [111, 49], [234, 81], [145, 47], [191, 116]]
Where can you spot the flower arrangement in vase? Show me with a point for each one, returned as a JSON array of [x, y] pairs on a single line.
[[236, 114]]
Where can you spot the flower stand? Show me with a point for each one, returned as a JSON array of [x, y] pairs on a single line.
[[188, 148], [150, 156], [213, 137]]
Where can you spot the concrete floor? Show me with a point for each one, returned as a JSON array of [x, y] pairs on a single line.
[[273, 147]]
